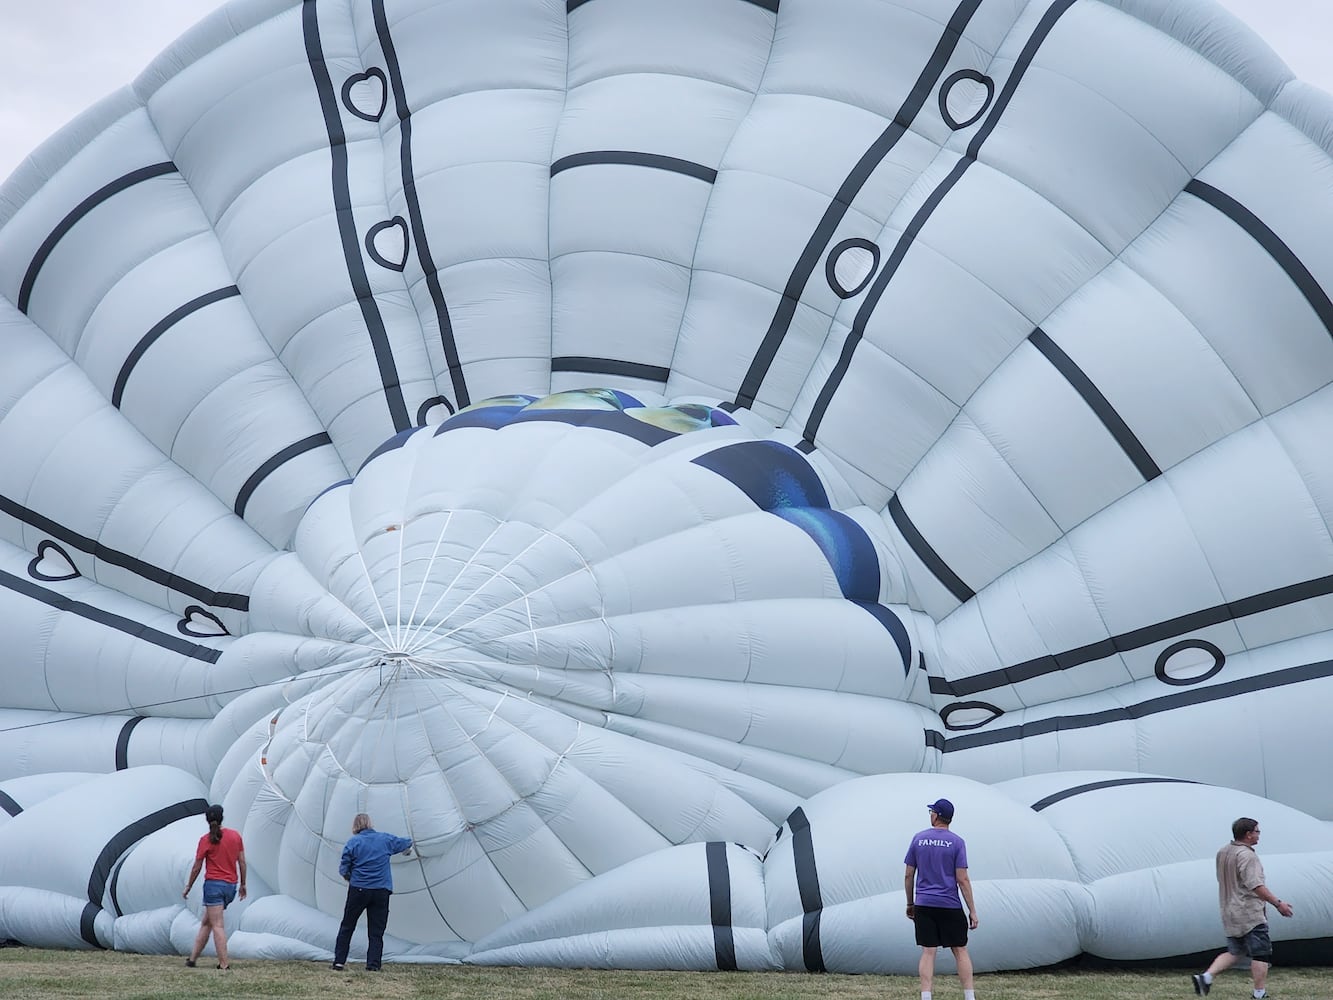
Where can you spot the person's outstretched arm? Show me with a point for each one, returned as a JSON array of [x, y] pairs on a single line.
[[909, 890], [240, 869]]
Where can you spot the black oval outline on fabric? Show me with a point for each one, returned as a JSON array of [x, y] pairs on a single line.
[[1159, 668], [960, 706], [183, 626], [837, 252], [965, 74], [397, 222], [428, 405], [376, 73], [43, 547]]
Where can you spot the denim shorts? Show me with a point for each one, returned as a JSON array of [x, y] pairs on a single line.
[[1256, 944], [218, 892]]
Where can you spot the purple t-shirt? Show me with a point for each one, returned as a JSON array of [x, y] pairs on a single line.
[[935, 853]]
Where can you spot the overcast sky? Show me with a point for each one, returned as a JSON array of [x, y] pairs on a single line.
[[59, 56]]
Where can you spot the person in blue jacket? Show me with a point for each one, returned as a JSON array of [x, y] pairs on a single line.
[[365, 865]]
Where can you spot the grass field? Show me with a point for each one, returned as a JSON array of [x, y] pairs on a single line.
[[33, 973]]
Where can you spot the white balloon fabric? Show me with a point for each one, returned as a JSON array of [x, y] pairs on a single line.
[[644, 451]]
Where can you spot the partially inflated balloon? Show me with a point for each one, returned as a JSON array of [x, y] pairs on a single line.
[[639, 449]]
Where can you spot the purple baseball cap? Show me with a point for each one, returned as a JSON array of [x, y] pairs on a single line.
[[942, 808]]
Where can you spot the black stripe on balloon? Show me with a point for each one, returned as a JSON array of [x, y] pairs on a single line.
[[137, 630], [161, 327], [609, 366], [923, 214], [719, 904], [121, 843], [342, 200], [769, 5], [1148, 635], [431, 272], [892, 624], [1270, 241], [123, 743], [88, 924], [628, 158], [113, 890], [851, 186], [1154, 706], [807, 883], [1038, 38], [9, 805], [1101, 406], [94, 548], [867, 307], [104, 193], [1095, 786], [927, 554], [276, 462], [934, 740]]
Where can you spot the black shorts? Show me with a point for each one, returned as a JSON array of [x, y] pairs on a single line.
[[1256, 944], [940, 927]]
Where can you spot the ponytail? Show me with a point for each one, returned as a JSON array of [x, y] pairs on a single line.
[[214, 817]]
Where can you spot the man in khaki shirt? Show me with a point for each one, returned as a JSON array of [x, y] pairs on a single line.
[[1242, 894]]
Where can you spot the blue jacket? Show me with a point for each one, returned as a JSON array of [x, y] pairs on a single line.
[[365, 860]]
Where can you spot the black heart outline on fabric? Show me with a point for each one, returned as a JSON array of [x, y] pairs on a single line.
[[429, 405], [45, 546], [374, 73], [184, 626], [947, 85], [1159, 668], [964, 706], [831, 264], [397, 222]]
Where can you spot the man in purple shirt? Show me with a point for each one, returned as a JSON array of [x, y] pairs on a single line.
[[936, 872], [365, 865]]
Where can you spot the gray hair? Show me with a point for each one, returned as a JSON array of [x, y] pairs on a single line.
[[362, 822]]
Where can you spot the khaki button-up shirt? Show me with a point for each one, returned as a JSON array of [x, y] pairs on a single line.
[[1239, 873]]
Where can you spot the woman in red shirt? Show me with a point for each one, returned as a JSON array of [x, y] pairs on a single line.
[[224, 852]]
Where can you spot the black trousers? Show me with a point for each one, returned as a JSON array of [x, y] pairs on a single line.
[[374, 903]]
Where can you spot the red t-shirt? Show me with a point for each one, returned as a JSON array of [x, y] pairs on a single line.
[[221, 857]]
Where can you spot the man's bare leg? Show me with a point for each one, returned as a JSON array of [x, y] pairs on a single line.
[[926, 969]]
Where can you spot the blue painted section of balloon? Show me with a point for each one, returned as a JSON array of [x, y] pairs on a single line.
[[393, 444], [770, 473], [779, 480], [845, 545], [606, 409]]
